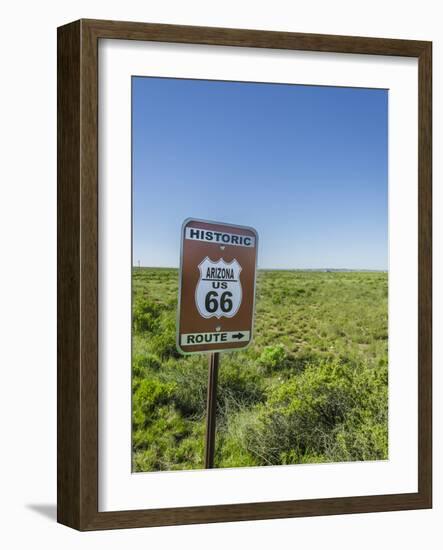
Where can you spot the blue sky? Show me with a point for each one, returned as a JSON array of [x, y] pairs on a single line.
[[306, 166]]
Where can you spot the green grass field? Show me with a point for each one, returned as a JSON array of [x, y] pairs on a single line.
[[312, 387]]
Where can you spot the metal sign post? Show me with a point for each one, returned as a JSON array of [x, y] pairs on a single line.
[[211, 409], [216, 299]]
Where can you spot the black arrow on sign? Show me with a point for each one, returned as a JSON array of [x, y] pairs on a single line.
[[239, 335]]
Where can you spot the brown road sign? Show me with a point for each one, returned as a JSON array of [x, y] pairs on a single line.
[[217, 286]]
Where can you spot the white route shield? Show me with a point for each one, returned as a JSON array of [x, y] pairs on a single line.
[[218, 292]]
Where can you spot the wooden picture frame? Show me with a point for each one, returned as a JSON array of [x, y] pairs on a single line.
[[77, 455]]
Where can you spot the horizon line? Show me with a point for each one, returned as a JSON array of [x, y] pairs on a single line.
[[278, 268]]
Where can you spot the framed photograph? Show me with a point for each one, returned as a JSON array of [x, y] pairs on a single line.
[[244, 275]]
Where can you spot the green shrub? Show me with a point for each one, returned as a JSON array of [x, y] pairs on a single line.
[[305, 415], [239, 384], [190, 379], [145, 315], [148, 394], [170, 443], [142, 363], [232, 450], [164, 345], [273, 357]]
